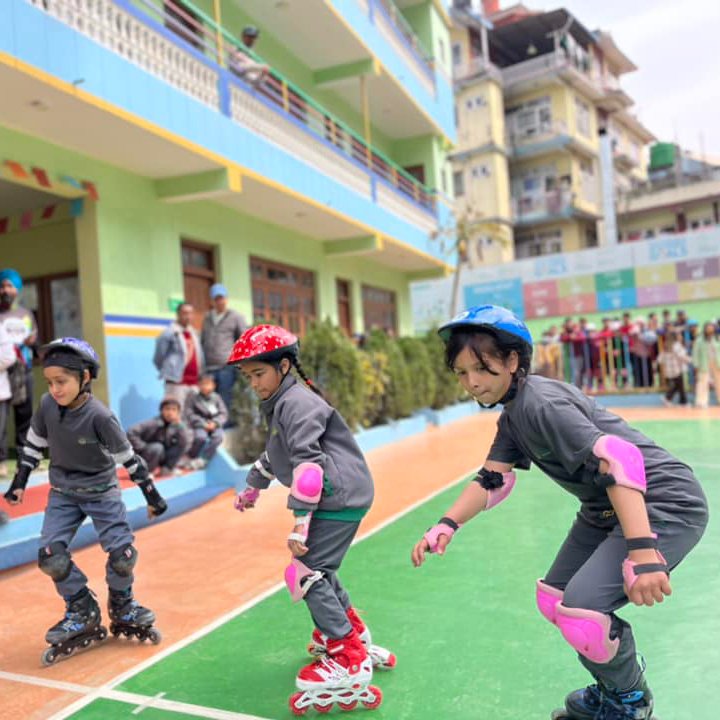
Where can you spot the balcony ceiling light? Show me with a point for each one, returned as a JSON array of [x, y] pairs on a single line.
[[531, 49]]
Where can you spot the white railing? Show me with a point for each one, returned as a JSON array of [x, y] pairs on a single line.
[[474, 66], [387, 24], [108, 24], [262, 120], [555, 202], [553, 61], [515, 138]]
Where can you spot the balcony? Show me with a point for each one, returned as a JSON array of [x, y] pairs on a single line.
[[614, 98], [548, 138], [547, 207], [475, 68], [330, 37], [526, 76], [275, 109], [398, 34]]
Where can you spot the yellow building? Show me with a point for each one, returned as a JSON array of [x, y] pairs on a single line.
[[680, 194], [542, 118]]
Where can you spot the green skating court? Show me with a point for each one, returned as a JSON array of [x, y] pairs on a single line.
[[470, 642]]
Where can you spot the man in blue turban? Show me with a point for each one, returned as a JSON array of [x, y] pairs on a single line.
[[19, 325]]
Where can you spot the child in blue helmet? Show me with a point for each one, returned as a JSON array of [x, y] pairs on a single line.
[[641, 509], [85, 442]]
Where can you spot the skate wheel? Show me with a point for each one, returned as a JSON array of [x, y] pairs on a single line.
[[322, 708], [86, 642], [390, 663], [294, 698], [49, 656], [372, 704], [154, 636], [69, 650], [348, 706]]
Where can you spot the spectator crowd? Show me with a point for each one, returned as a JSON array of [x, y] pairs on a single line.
[[627, 353]]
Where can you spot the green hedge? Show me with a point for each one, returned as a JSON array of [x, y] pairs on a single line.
[[388, 379]]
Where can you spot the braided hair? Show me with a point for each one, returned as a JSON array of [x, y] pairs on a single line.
[[299, 369]]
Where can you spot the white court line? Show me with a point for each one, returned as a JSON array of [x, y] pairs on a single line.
[[141, 701], [106, 688]]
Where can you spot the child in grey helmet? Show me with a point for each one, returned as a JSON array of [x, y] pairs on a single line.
[[85, 442], [641, 509]]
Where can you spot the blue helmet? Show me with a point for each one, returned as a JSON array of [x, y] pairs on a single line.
[[492, 317], [77, 347]]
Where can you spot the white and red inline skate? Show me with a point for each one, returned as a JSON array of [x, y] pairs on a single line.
[[381, 658], [341, 675]]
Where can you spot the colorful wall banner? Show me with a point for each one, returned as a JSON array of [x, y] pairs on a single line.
[[664, 270]]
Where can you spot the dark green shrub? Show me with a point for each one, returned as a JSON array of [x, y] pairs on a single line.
[[422, 375], [447, 388], [333, 362], [399, 401]]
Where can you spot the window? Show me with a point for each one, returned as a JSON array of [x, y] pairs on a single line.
[[379, 309], [282, 295], [582, 117], [55, 302], [480, 171], [459, 183], [537, 244], [530, 119], [480, 101], [456, 54]]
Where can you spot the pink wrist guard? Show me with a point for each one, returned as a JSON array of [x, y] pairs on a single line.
[[442, 528], [247, 498]]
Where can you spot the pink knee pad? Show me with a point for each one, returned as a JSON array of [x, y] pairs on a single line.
[[588, 632], [627, 465], [548, 598], [307, 482], [295, 573]]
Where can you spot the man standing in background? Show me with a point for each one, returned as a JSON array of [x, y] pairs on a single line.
[[222, 326], [19, 326]]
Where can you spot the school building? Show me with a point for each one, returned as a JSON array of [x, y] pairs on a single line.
[[138, 166]]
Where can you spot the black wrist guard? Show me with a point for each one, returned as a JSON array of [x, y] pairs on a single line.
[[19, 482], [449, 522], [153, 497], [489, 479], [140, 474]]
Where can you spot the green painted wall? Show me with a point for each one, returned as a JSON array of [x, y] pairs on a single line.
[[43, 250], [425, 150], [139, 244]]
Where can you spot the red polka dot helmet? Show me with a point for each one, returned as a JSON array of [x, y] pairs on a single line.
[[264, 343]]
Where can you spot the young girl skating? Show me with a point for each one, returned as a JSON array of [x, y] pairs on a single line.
[[311, 450], [85, 442], [641, 509]]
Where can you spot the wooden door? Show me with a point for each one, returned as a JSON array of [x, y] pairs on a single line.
[[344, 308], [198, 276]]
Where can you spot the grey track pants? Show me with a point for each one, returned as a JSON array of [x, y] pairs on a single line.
[[588, 568], [327, 600]]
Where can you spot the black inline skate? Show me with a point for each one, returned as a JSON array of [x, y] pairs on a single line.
[[596, 701], [130, 619], [78, 629]]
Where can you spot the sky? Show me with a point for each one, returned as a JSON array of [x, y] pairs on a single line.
[[676, 47]]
